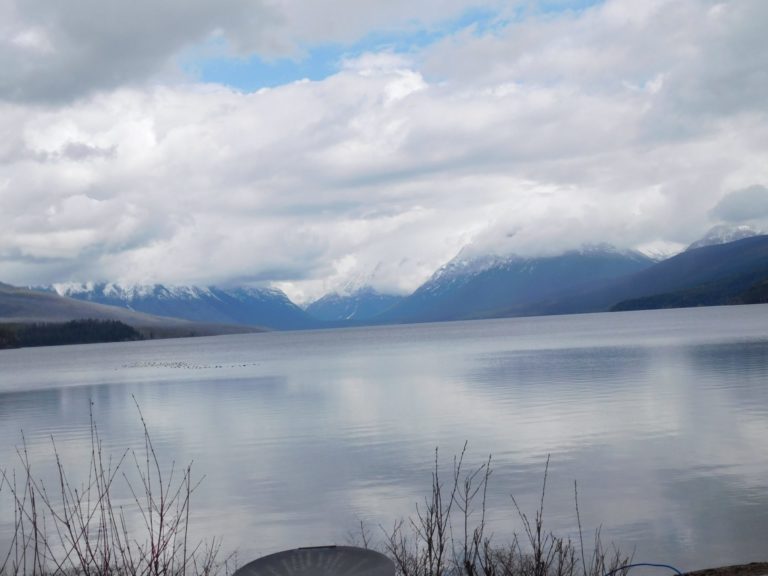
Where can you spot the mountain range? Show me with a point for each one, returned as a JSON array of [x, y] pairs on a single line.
[[488, 286], [731, 273], [727, 266], [24, 306], [741, 262], [264, 307]]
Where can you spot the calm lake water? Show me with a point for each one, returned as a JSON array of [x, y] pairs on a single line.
[[661, 417]]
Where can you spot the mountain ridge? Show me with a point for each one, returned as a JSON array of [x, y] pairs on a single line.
[[687, 270], [245, 306], [593, 278], [478, 288], [24, 306]]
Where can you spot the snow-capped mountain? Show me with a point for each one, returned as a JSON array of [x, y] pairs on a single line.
[[495, 285], [361, 305], [723, 234], [244, 305]]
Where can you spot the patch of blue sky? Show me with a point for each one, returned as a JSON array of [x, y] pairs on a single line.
[[555, 6], [252, 73], [212, 64]]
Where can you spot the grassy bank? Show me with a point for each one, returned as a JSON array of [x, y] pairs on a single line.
[[84, 529]]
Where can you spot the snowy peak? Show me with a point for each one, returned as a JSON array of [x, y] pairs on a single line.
[[129, 292], [603, 249], [723, 234], [245, 293], [467, 266], [485, 286], [462, 268]]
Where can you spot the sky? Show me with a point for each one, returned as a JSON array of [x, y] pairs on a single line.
[[321, 146]]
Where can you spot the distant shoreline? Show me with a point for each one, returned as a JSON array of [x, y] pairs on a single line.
[[87, 331], [15, 335]]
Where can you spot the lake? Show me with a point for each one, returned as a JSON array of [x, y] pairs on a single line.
[[661, 418]]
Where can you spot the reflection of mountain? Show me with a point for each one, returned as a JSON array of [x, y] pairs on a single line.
[[244, 306], [565, 368], [361, 305], [492, 286], [619, 408]]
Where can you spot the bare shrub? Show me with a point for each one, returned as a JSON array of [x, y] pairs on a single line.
[[80, 530], [448, 536]]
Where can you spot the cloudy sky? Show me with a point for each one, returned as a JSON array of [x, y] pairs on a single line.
[[319, 145]]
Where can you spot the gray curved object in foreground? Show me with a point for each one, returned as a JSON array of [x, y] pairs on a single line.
[[321, 561]]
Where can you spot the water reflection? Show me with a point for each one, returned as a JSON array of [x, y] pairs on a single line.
[[301, 435]]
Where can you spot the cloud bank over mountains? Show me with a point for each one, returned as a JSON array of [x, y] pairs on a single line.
[[524, 130]]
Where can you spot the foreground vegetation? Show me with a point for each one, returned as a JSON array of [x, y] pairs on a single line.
[[83, 530], [448, 536], [72, 332]]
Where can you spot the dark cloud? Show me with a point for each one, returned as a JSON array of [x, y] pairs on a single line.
[[81, 151], [55, 51], [743, 205]]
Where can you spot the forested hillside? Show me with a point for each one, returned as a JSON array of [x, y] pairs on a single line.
[[72, 332]]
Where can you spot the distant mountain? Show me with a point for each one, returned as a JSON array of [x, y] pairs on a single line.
[[750, 288], [723, 234], [22, 306], [361, 305], [492, 285], [726, 278], [709, 275], [244, 306]]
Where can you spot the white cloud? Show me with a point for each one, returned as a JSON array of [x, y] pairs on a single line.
[[57, 51], [621, 123]]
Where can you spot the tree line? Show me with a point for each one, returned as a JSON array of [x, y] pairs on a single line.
[[87, 331]]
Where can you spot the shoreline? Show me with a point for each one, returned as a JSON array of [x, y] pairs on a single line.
[[750, 569]]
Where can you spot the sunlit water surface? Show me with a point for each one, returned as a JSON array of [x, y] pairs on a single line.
[[660, 417]]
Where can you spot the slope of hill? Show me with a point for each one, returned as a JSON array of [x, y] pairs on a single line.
[[488, 286], [712, 274], [362, 305], [750, 287], [242, 306], [23, 306]]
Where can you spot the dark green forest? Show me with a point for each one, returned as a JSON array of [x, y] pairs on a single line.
[[72, 332], [751, 288]]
